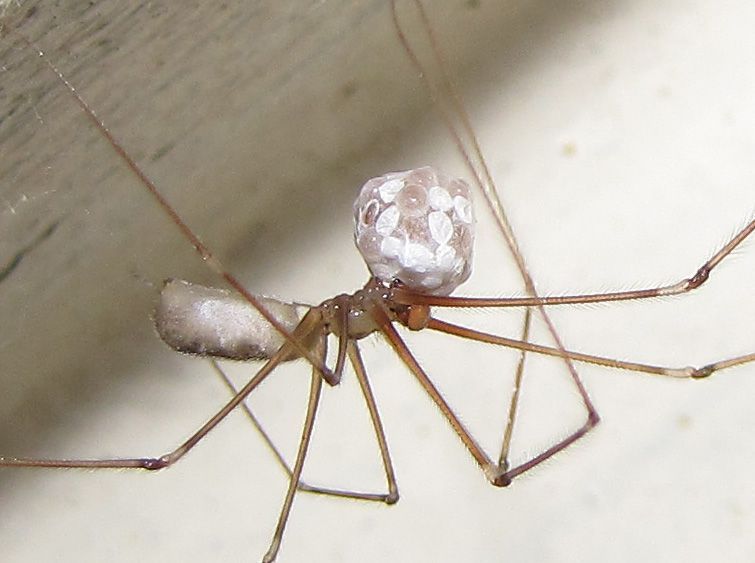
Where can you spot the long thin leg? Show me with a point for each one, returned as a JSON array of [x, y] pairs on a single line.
[[503, 458], [356, 360], [302, 485], [451, 108], [496, 474], [342, 303], [402, 295], [490, 469], [685, 372], [204, 252], [306, 435], [505, 475], [168, 458]]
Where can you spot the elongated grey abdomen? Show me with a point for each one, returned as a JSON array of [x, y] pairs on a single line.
[[215, 322]]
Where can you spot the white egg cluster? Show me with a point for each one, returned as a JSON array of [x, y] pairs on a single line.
[[416, 226]]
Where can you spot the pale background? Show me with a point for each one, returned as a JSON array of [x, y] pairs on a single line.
[[622, 135]]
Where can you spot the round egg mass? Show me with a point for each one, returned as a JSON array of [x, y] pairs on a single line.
[[416, 226]]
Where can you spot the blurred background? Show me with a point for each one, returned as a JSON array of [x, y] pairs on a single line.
[[621, 135]]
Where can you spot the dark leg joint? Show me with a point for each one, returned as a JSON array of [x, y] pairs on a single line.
[[391, 498], [331, 378], [699, 278], [593, 420], [155, 464], [703, 372]]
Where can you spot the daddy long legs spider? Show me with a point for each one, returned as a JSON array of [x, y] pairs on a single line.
[[622, 280]]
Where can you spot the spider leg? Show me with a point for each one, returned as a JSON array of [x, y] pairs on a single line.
[[679, 372], [402, 295], [171, 457], [306, 435], [389, 498]]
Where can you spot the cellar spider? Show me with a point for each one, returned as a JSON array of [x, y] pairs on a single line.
[[525, 384]]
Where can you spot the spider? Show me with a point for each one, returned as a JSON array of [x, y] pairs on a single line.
[[408, 278]]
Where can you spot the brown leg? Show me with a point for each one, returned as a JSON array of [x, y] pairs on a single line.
[[503, 458], [168, 458], [495, 473], [506, 475], [356, 361], [204, 252], [684, 286], [389, 498], [450, 107], [306, 435], [685, 372]]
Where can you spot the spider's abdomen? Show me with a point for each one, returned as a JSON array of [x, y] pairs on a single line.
[[416, 226]]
